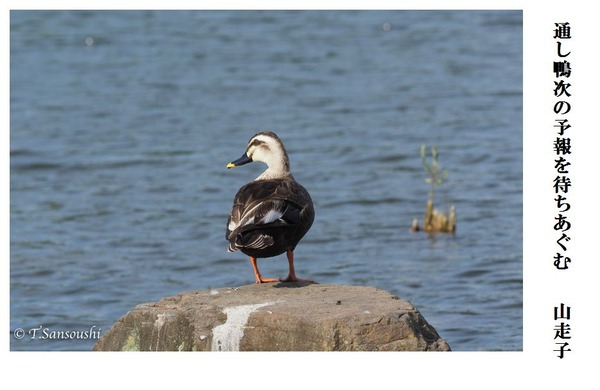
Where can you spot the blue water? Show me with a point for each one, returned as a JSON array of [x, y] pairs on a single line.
[[122, 124]]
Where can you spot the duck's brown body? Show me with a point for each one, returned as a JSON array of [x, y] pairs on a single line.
[[282, 198]]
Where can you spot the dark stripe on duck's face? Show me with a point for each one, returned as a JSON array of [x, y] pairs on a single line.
[[256, 142]]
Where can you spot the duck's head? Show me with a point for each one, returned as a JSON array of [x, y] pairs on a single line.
[[266, 147]]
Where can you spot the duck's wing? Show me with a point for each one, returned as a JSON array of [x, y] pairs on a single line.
[[261, 205]]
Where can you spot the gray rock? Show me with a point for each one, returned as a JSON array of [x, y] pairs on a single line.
[[275, 317]]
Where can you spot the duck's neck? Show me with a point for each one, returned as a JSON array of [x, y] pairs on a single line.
[[276, 169]]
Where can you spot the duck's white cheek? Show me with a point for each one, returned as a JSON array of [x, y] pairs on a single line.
[[256, 155]]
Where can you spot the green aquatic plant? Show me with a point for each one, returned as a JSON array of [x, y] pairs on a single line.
[[434, 220], [436, 176]]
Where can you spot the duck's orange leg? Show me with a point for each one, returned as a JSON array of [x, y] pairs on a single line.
[[292, 275], [258, 278]]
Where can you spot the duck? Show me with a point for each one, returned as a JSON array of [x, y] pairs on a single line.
[[272, 213]]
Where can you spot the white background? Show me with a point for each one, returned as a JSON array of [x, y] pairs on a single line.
[[544, 286]]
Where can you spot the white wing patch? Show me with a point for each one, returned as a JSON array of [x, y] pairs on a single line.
[[232, 225], [249, 218], [272, 215]]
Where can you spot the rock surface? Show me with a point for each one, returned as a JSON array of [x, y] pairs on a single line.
[[275, 317]]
